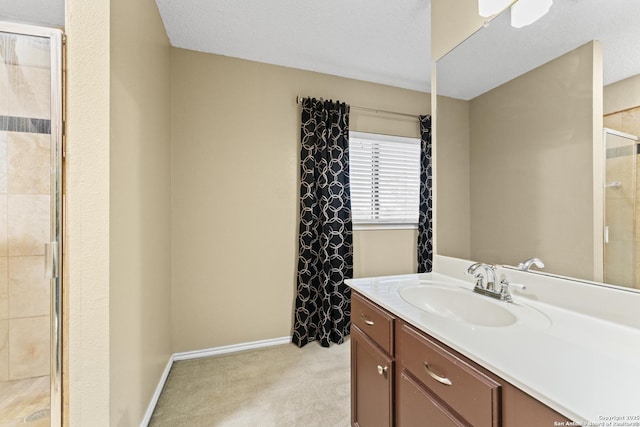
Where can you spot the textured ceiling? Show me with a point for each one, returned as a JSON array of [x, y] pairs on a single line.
[[499, 53], [383, 41], [380, 41], [48, 13]]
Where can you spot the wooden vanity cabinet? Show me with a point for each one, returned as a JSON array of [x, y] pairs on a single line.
[[400, 377], [521, 410], [372, 364]]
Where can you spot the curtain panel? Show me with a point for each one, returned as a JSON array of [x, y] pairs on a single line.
[[325, 242], [425, 216]]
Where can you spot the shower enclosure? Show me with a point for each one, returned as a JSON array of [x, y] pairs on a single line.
[[30, 224], [620, 194]]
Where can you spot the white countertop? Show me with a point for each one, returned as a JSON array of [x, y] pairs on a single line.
[[586, 368]]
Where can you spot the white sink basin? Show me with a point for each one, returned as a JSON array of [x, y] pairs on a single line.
[[465, 306]]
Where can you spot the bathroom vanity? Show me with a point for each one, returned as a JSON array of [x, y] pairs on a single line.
[[416, 363]]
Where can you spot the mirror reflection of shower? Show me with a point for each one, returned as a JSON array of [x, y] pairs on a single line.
[[621, 210]]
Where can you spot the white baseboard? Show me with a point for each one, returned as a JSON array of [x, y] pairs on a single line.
[[216, 351], [156, 394], [230, 348]]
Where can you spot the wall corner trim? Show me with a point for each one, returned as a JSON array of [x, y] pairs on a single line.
[[196, 354]]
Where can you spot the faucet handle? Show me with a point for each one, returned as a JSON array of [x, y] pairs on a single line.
[[479, 282], [505, 295]]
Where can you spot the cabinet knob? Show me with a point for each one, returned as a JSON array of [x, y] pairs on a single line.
[[382, 370]]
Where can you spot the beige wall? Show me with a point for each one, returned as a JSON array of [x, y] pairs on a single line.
[[87, 210], [384, 252], [532, 187], [453, 229], [622, 95], [235, 149], [140, 185], [452, 21], [118, 208], [117, 199]]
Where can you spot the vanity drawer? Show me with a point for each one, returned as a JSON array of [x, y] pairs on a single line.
[[376, 323], [467, 391]]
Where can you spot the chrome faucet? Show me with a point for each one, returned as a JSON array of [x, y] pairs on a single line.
[[490, 274], [526, 265], [490, 289]]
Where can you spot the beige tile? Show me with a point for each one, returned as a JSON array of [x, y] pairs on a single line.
[[4, 240], [620, 219], [620, 264], [637, 228], [637, 265], [619, 169], [4, 90], [4, 137], [28, 288], [4, 350], [28, 224], [28, 166], [613, 121], [4, 289], [22, 398], [65, 351], [30, 92], [29, 344], [631, 121], [613, 215]]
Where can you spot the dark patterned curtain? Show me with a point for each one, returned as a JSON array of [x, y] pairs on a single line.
[[325, 243], [425, 218]]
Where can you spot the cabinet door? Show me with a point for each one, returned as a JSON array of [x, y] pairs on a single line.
[[418, 408], [521, 410], [371, 383]]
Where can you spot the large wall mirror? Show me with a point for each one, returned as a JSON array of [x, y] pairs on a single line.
[[551, 113]]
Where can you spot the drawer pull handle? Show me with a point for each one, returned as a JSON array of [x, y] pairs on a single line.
[[367, 321], [441, 380], [382, 370]]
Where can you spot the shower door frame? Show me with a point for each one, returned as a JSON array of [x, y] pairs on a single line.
[[53, 251], [636, 141]]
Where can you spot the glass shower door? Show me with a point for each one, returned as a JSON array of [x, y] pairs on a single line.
[[621, 156], [30, 218]]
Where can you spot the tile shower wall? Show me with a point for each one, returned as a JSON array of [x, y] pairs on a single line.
[[24, 206], [628, 121]]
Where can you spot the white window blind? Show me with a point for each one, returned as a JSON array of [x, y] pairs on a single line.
[[385, 179]]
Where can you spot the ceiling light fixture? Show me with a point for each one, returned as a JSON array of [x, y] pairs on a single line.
[[488, 8], [526, 12]]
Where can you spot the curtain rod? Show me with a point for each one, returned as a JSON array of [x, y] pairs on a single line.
[[373, 110]]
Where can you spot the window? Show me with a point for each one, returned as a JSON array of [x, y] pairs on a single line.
[[385, 179]]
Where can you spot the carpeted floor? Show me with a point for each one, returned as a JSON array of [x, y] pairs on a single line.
[[277, 386]]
